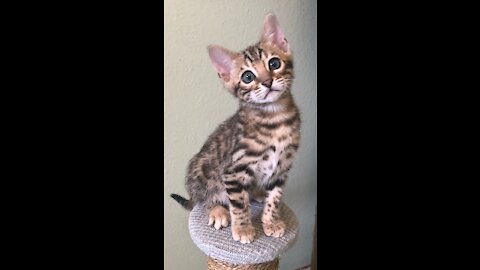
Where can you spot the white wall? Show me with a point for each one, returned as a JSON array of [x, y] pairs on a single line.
[[195, 103]]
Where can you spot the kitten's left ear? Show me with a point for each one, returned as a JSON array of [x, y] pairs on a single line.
[[273, 34]]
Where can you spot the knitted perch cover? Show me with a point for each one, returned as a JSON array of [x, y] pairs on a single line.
[[219, 244]]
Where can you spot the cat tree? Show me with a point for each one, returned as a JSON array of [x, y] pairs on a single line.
[[224, 253]]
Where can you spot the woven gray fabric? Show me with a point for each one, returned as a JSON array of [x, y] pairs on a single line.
[[220, 245]]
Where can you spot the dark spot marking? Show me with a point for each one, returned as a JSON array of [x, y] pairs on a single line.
[[240, 168], [236, 204], [249, 171], [231, 182], [253, 52], [279, 182], [247, 57], [265, 134], [290, 121], [246, 92], [206, 169], [219, 151], [254, 153], [287, 73], [237, 87], [260, 142], [241, 120], [270, 126], [234, 190], [289, 155], [240, 146], [239, 158], [287, 122], [265, 157], [292, 145], [288, 64]]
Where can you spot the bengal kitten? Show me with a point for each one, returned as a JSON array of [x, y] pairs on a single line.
[[250, 154]]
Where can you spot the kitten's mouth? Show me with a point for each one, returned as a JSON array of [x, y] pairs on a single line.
[[270, 91]]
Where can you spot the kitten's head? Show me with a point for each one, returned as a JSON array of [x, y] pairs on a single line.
[[261, 73]]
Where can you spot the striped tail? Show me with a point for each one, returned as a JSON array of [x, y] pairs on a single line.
[[187, 204]]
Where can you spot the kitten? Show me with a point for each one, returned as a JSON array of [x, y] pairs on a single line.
[[250, 154]]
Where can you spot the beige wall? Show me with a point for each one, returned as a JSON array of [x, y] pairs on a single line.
[[195, 103]]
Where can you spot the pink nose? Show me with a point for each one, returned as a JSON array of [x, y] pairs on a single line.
[[267, 83]]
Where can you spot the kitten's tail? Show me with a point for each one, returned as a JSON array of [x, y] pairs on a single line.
[[187, 204]]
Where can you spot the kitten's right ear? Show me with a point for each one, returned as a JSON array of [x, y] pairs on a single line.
[[222, 60], [273, 34]]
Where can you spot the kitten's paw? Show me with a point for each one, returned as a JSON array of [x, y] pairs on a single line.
[[218, 217], [243, 233], [276, 229]]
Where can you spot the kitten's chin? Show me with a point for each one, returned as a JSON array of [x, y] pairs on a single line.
[[275, 103], [270, 97], [273, 96]]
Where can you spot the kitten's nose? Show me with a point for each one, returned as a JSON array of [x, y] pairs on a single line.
[[267, 83]]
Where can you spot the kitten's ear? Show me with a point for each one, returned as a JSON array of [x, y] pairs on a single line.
[[273, 34], [222, 60]]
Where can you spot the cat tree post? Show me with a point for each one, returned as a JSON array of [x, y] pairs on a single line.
[[224, 253]]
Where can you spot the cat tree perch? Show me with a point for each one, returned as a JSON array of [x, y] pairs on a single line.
[[224, 253]]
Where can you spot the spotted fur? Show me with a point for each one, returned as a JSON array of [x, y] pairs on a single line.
[[249, 155]]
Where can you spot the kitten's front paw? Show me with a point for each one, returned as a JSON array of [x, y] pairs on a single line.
[[218, 217], [243, 233], [276, 229]]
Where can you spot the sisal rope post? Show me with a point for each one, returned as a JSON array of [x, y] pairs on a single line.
[[214, 264]]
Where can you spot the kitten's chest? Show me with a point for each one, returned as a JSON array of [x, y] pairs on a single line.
[[279, 157]]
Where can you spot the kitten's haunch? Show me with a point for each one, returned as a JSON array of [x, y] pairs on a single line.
[[249, 155]]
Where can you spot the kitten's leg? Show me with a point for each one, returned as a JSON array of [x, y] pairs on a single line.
[[242, 228], [271, 220], [218, 216]]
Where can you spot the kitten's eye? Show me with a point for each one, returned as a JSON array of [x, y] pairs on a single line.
[[248, 77], [274, 63]]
